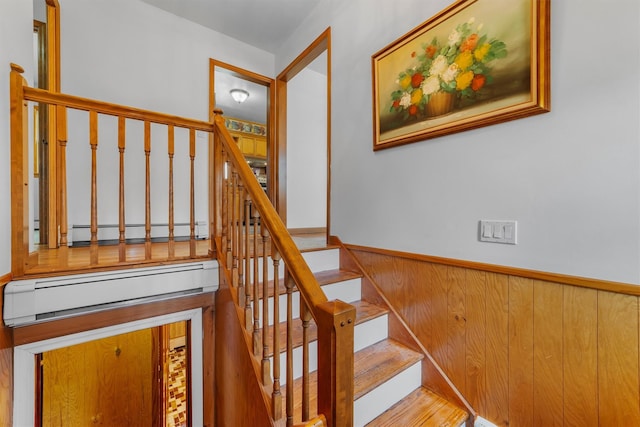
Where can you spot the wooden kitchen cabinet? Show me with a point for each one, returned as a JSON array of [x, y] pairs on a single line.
[[250, 137]]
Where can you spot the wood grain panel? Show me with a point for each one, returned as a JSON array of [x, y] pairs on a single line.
[[239, 397], [520, 352], [440, 349], [456, 325], [580, 348], [547, 354], [618, 360], [497, 356], [557, 351], [476, 309], [408, 295]]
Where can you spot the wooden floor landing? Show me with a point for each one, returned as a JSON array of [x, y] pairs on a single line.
[[77, 259]]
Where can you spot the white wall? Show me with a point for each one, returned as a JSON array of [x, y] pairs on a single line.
[[16, 28], [138, 55], [130, 53], [307, 150], [571, 177]]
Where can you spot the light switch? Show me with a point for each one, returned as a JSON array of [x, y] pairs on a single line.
[[487, 230], [498, 231]]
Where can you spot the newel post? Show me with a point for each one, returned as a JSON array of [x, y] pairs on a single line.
[[216, 180], [19, 172], [336, 321]]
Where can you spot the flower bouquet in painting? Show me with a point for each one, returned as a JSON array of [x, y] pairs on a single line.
[[447, 74]]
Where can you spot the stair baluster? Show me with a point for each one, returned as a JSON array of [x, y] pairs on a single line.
[[246, 229], [93, 142], [256, 282], [305, 317], [276, 396], [122, 242], [289, 286], [171, 245], [192, 195], [62, 179], [266, 367], [227, 203], [242, 293], [147, 192]]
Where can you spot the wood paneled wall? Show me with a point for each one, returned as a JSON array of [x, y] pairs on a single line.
[[239, 399], [6, 365], [523, 350]]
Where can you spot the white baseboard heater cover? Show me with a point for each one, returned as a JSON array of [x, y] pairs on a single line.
[[33, 300]]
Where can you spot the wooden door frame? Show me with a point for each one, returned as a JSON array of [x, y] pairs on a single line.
[[49, 169], [215, 218], [41, 146], [320, 45]]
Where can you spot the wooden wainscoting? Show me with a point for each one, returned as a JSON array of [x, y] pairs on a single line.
[[525, 348], [6, 365]]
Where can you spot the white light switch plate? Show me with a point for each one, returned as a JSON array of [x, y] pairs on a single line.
[[498, 231]]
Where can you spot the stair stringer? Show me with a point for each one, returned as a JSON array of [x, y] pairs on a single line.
[[237, 369], [433, 377]]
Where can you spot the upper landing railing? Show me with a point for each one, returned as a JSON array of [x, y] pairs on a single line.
[[245, 231]]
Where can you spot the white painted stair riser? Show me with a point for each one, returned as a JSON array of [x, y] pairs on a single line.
[[365, 334], [328, 259], [347, 291], [368, 407]]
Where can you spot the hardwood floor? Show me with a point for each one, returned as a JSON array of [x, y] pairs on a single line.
[[78, 259]]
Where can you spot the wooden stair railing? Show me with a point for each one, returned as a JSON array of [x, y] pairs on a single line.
[[237, 205], [21, 94], [251, 233]]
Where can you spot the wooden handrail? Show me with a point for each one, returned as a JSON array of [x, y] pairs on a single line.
[[334, 319], [24, 263], [86, 104], [299, 270]]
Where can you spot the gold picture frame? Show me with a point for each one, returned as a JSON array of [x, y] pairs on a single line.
[[476, 63]]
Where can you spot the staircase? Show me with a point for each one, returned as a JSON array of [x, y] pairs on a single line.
[[388, 389]]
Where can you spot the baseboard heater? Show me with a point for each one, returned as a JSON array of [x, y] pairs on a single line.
[[35, 300]]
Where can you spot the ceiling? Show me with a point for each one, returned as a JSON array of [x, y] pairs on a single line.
[[265, 24]]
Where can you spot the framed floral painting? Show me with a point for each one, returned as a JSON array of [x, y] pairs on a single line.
[[476, 63]]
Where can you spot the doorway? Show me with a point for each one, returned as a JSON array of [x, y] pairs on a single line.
[[248, 117], [139, 377], [26, 402], [304, 140]]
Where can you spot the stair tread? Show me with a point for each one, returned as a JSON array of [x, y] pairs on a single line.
[[421, 408], [364, 311], [377, 363], [372, 368]]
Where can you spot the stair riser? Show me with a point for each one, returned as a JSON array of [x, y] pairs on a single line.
[[378, 400], [317, 260], [366, 334], [347, 291]]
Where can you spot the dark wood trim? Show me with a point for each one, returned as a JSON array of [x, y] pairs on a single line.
[[272, 177], [82, 323], [307, 230], [584, 282]]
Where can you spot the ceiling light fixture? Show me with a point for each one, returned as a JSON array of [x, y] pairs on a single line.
[[239, 95]]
